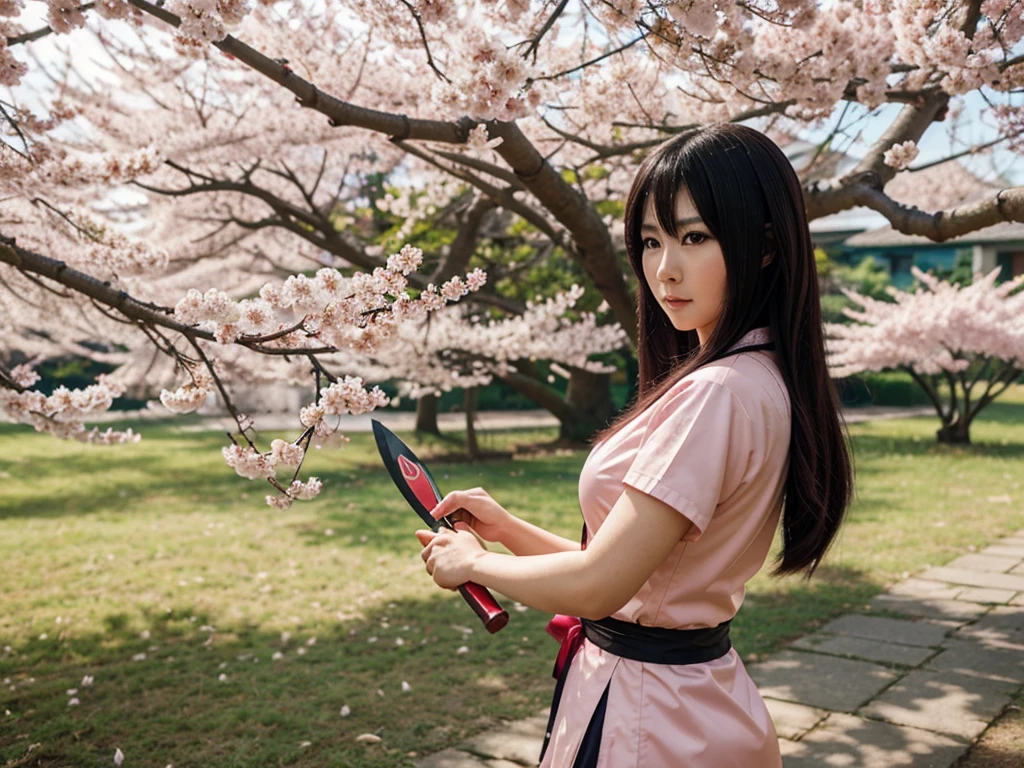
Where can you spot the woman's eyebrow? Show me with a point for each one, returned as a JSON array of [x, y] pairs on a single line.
[[648, 227]]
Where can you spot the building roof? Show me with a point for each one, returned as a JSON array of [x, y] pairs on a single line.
[[851, 220]]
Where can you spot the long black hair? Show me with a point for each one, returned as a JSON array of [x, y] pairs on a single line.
[[749, 196]]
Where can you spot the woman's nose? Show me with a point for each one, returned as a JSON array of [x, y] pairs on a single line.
[[669, 270]]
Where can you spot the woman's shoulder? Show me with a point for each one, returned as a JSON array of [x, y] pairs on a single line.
[[750, 379]]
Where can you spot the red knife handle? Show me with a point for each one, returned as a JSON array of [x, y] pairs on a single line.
[[485, 606]]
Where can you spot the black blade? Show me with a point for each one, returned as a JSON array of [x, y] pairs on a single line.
[[416, 483]]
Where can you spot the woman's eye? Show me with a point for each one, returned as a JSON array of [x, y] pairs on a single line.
[[694, 238], [649, 242]]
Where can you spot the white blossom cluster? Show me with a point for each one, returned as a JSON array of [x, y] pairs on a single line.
[[345, 396], [900, 156], [939, 327], [64, 412], [208, 20], [190, 396], [330, 307], [250, 463]]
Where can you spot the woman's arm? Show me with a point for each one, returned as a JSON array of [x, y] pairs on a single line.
[[525, 539], [637, 536]]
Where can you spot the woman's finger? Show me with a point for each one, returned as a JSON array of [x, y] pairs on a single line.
[[451, 502]]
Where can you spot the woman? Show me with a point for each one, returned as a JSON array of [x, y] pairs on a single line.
[[736, 425]]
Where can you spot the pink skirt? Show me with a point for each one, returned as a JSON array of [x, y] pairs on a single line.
[[707, 715]]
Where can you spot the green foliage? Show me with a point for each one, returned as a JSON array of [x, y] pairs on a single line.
[[832, 306], [962, 273], [895, 388], [868, 278]]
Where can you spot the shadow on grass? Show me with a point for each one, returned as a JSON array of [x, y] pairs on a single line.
[[161, 699]]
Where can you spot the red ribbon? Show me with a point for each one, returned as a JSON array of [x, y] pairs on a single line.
[[567, 630]]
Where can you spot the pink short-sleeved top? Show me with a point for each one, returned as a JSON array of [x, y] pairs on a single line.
[[715, 447]]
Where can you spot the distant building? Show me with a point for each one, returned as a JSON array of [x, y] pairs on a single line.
[[850, 236]]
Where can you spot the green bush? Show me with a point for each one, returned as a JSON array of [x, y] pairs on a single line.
[[832, 306], [881, 388]]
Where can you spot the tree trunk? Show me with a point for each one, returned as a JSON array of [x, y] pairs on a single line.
[[426, 415], [469, 403], [957, 433], [586, 408], [590, 395]]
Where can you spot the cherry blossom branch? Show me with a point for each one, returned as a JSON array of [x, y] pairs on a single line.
[[423, 37], [586, 64], [317, 229], [308, 95], [28, 37], [548, 23]]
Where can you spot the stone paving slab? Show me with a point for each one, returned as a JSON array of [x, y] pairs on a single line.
[[519, 741], [862, 648], [1017, 569], [845, 740], [903, 631], [1002, 627], [976, 578], [972, 658], [986, 596], [992, 563], [952, 610], [793, 720], [1004, 550], [828, 682], [1018, 600], [925, 588], [956, 705]]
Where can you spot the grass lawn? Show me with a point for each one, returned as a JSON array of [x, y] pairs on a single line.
[[219, 632]]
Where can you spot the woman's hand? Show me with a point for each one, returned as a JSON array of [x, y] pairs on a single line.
[[450, 555], [478, 510]]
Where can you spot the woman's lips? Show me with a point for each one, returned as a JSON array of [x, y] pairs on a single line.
[[676, 303]]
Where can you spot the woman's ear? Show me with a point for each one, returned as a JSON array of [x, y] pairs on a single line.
[[769, 245]]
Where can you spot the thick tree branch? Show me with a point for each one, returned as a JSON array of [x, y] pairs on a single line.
[[462, 247], [594, 249], [1004, 205]]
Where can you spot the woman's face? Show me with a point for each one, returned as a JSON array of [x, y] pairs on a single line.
[[690, 267]]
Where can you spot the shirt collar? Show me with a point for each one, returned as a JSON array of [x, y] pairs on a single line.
[[760, 335]]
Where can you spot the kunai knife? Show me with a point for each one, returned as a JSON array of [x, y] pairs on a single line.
[[419, 489]]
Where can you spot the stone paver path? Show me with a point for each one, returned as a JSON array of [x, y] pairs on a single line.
[[911, 682]]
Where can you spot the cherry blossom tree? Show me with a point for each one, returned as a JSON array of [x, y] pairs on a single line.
[[251, 135], [454, 349], [963, 345]]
